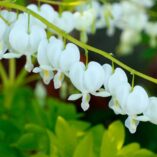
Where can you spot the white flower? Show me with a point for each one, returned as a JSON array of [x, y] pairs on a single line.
[[45, 69], [62, 59], [87, 81], [136, 104], [126, 43], [65, 21], [108, 72], [119, 98], [151, 30], [3, 48], [144, 3], [25, 40], [117, 77], [150, 114], [84, 20], [5, 29], [126, 100], [45, 10]]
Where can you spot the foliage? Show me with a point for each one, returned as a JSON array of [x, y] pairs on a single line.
[[54, 130]]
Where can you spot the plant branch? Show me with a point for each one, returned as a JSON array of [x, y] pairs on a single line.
[[77, 42], [64, 3]]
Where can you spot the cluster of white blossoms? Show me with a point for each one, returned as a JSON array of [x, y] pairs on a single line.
[[131, 17], [24, 35]]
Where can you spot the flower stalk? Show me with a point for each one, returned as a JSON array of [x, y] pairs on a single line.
[[77, 42]]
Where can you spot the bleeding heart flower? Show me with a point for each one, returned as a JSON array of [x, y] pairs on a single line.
[[65, 21], [62, 59], [87, 80], [45, 10], [45, 69], [25, 40], [5, 26]]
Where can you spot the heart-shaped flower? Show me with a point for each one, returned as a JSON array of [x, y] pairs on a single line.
[[62, 58], [136, 103], [25, 40], [65, 21], [87, 80], [150, 114], [45, 69], [5, 26], [45, 10]]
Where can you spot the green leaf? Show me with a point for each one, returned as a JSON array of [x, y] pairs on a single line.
[[35, 139], [21, 2], [58, 108], [85, 147], [39, 155], [7, 151], [129, 150], [113, 140], [79, 125], [144, 153], [27, 142], [97, 133], [66, 138], [9, 133]]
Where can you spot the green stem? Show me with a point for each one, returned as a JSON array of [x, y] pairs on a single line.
[[31, 78], [6, 22], [64, 3], [12, 70], [23, 73], [87, 57], [133, 82], [77, 42], [3, 74]]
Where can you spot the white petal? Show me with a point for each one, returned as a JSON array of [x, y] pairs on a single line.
[[74, 97], [76, 75], [65, 21], [108, 72], [19, 39], [46, 67], [58, 79], [69, 56], [122, 91], [143, 118], [94, 77], [117, 77], [151, 111], [29, 66], [36, 35], [47, 76], [137, 101], [11, 55], [115, 106], [54, 51], [37, 70], [48, 12], [131, 124], [101, 93], [85, 102], [3, 27], [42, 53]]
